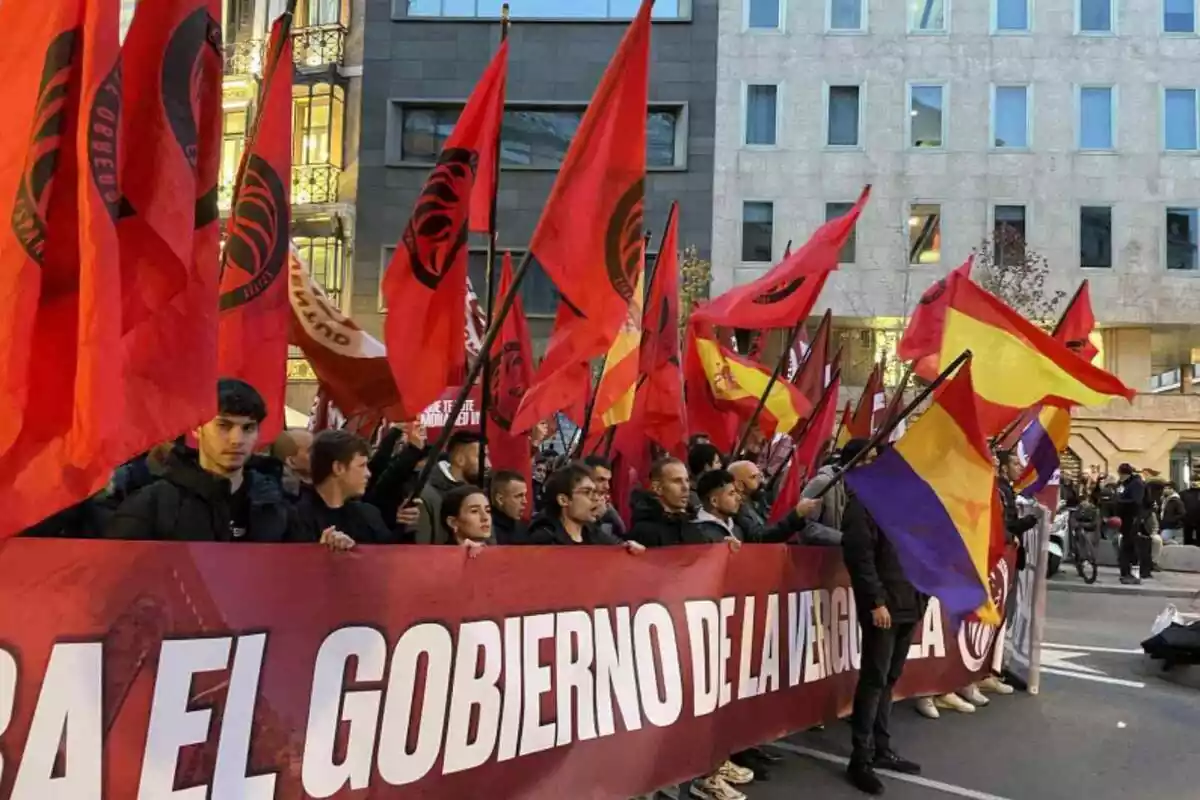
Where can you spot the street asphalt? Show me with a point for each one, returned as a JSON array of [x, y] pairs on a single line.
[[1104, 726]]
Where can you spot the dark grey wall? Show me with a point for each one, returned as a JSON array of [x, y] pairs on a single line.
[[549, 61]]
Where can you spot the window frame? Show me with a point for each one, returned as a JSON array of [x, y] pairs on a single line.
[[853, 238], [864, 27], [1113, 117], [399, 13], [1194, 32], [1162, 118], [745, 132], [1028, 119], [742, 262], [908, 108], [1113, 8], [996, 30], [907, 227], [943, 31], [780, 27], [1187, 205], [1112, 234], [826, 95], [991, 230], [394, 129]]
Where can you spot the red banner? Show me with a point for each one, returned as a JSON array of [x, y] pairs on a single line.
[[127, 669]]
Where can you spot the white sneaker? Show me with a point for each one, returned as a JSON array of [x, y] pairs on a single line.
[[973, 696], [954, 703], [714, 787], [995, 685], [926, 708], [734, 775]]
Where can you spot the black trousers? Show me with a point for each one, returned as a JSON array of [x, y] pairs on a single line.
[[1191, 533], [1135, 550], [883, 655]]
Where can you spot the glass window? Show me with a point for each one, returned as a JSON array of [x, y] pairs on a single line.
[[1179, 16], [1008, 236], [761, 101], [233, 142], [1095, 16], [1096, 118], [312, 13], [758, 229], [927, 15], [1179, 119], [926, 121], [317, 119], [546, 9], [1095, 236], [843, 116], [1183, 234], [1010, 116], [325, 256], [763, 13], [845, 15], [925, 234], [833, 211], [530, 137], [1012, 15]]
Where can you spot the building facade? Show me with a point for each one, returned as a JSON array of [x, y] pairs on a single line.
[[1070, 124], [422, 60]]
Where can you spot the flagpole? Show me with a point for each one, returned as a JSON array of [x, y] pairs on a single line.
[[885, 430], [890, 412], [489, 279], [800, 436], [762, 400]]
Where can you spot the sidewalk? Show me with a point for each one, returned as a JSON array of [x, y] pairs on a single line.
[[1179, 585]]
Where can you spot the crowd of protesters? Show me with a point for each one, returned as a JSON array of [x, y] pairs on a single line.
[[333, 488]]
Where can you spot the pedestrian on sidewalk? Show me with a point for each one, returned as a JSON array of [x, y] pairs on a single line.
[[1135, 539], [1172, 515]]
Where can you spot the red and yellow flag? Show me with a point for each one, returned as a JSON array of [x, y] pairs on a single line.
[[618, 382]]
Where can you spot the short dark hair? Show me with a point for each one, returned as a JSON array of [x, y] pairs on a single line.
[[697, 438], [452, 502], [1003, 454], [503, 477], [334, 447], [712, 481], [563, 481], [700, 456], [239, 399], [660, 466], [462, 439], [598, 462]]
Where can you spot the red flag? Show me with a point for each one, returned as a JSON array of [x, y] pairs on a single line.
[[812, 444], [704, 415], [169, 227], [511, 367], [589, 239], [426, 282], [813, 375], [785, 296], [1077, 323], [255, 312], [659, 406], [862, 424]]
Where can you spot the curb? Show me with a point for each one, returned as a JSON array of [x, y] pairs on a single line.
[[1119, 589]]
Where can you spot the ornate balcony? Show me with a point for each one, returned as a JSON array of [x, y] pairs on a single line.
[[319, 45], [244, 58], [314, 184]]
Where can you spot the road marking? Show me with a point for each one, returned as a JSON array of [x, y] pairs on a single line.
[[1083, 676], [1061, 659], [916, 780], [1090, 649]]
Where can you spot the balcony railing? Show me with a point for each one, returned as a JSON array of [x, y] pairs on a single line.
[[244, 58], [312, 47], [315, 183]]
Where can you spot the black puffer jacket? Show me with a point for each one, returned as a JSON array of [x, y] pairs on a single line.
[[875, 572], [547, 530], [191, 505], [654, 527]]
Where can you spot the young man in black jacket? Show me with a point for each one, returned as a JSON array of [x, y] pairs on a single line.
[[333, 508], [1015, 525], [602, 471], [889, 610], [719, 503], [510, 498], [572, 505], [660, 516]]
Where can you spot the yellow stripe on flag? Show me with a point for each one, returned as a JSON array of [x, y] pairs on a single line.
[[618, 384], [731, 380]]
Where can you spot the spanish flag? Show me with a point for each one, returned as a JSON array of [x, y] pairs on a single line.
[[934, 496], [618, 382], [739, 381], [1025, 365]]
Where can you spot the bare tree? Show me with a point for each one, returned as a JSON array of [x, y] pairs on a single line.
[[1007, 268], [695, 279]]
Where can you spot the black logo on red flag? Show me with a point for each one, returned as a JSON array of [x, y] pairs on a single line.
[[623, 240], [104, 123], [504, 367], [933, 292], [258, 244], [779, 292], [41, 160], [437, 231]]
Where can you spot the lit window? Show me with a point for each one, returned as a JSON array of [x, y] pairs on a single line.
[[758, 230], [832, 212], [926, 121], [318, 114], [843, 116], [761, 114], [1011, 15], [535, 136], [313, 13], [1183, 235], [1010, 117], [925, 234], [927, 16], [846, 15], [1179, 16], [325, 256], [233, 142], [1095, 237], [762, 13], [1179, 119], [1008, 235], [1095, 16], [1096, 118], [543, 9]]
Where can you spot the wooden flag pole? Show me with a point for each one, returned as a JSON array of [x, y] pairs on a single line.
[[762, 400]]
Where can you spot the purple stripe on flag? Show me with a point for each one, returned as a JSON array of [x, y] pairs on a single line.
[[1043, 458], [910, 514]]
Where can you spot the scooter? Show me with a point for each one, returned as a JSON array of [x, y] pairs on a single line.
[[1060, 540]]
